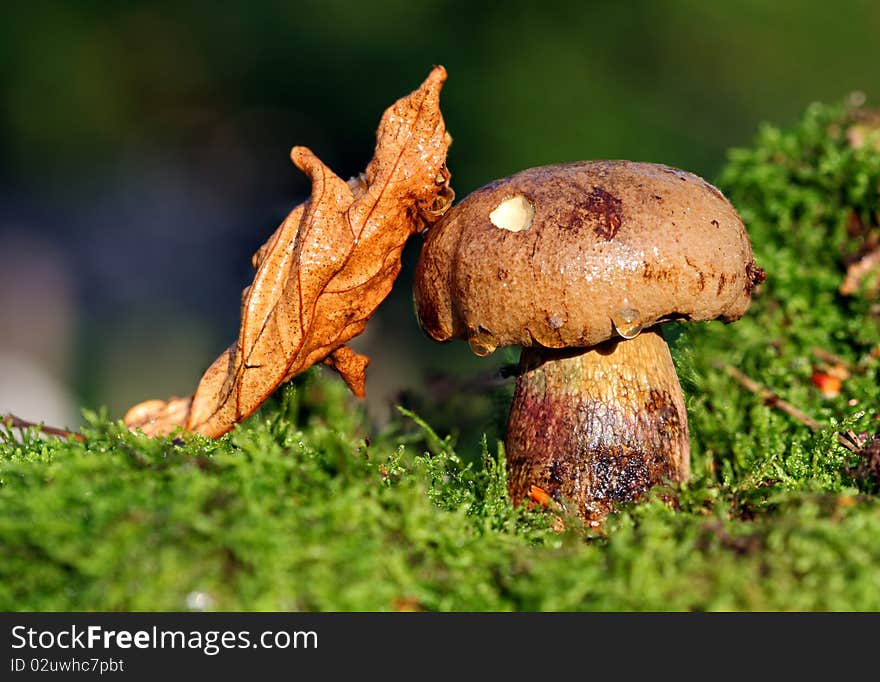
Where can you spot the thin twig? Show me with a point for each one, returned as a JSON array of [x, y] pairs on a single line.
[[851, 440], [771, 399], [14, 422], [829, 357]]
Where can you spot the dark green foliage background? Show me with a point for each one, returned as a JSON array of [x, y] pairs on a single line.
[[144, 147], [304, 507]]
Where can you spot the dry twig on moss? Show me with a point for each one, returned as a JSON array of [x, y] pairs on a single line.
[[849, 440], [13, 422]]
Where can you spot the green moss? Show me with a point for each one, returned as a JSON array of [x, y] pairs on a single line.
[[304, 507]]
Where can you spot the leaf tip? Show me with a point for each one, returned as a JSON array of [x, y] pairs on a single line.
[[301, 155], [437, 76], [352, 367]]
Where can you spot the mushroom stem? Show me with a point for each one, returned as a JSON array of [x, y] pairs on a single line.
[[598, 426]]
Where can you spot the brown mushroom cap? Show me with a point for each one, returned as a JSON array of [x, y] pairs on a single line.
[[567, 255]]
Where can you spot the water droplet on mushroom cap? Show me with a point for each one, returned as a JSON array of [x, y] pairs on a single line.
[[480, 348], [627, 322]]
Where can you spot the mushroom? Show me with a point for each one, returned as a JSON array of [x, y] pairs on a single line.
[[579, 264]]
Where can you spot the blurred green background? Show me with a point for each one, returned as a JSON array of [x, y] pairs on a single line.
[[144, 152]]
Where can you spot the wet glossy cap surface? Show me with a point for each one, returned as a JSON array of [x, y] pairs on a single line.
[[576, 254]]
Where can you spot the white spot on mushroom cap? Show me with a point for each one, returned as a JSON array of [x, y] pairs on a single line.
[[555, 321], [514, 213]]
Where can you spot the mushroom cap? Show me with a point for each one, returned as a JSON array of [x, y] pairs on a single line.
[[567, 255]]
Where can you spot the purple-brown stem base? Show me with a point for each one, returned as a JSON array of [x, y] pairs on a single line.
[[597, 428]]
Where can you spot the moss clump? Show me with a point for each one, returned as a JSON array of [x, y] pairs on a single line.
[[302, 507], [811, 202]]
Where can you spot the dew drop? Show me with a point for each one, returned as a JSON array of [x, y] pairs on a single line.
[[480, 348], [628, 322]]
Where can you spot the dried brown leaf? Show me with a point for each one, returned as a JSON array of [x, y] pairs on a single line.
[[324, 271]]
